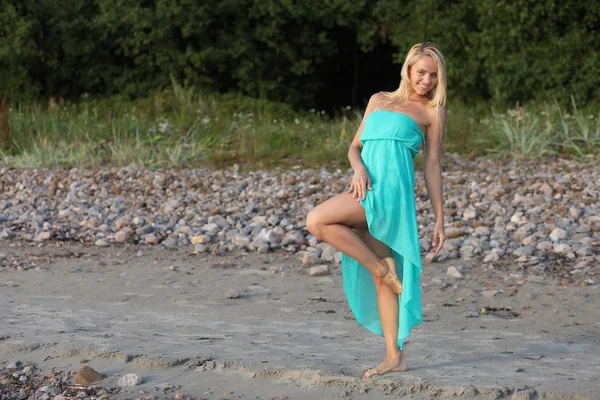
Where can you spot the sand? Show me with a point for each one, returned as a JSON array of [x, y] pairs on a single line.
[[165, 315]]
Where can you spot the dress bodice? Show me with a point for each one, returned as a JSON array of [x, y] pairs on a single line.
[[392, 125]]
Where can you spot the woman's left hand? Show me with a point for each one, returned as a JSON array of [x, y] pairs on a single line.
[[438, 237]]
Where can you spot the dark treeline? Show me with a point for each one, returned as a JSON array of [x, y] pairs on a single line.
[[309, 53]]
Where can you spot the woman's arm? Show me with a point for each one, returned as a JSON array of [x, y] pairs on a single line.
[[356, 145], [433, 175], [361, 180]]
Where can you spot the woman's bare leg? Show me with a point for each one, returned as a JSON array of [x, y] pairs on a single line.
[[332, 222], [387, 302]]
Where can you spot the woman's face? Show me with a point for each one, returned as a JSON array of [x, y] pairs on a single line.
[[423, 75]]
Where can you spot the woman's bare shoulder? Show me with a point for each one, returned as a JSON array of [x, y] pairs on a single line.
[[377, 97]]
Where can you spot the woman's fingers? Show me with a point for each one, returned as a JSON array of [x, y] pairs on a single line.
[[439, 239], [359, 187], [442, 240]]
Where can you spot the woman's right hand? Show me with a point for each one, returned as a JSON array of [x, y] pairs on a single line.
[[361, 181]]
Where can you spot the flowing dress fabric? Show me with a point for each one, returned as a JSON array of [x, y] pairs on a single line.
[[390, 142]]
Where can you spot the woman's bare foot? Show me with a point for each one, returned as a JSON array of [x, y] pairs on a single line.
[[390, 364], [389, 277]]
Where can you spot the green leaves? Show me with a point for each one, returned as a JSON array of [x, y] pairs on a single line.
[[308, 53]]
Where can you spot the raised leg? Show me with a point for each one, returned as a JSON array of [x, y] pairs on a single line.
[[333, 221]]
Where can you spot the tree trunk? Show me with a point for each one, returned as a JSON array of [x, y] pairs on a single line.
[[4, 135]]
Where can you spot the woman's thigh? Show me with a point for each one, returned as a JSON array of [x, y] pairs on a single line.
[[341, 209]]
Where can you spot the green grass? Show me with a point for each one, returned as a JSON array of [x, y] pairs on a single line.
[[184, 127]]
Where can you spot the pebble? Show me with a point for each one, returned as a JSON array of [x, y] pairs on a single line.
[[101, 243], [319, 270], [558, 234], [45, 386], [130, 380], [454, 272], [13, 365], [310, 258], [86, 376], [494, 210], [489, 293]]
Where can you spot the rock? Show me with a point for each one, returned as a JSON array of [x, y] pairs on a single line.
[[516, 218], [525, 251], [562, 248], [558, 234], [13, 365], [262, 248], [274, 235], [200, 239], [328, 252], [152, 239], [101, 243], [430, 257], [482, 230], [452, 233], [319, 270], [489, 207], [233, 294], [492, 256], [489, 293], [527, 241], [201, 248], [454, 272], [338, 257], [574, 212], [546, 189], [170, 243], [241, 241], [544, 245], [211, 227], [86, 376], [42, 236], [469, 214], [310, 258], [122, 236], [144, 230], [523, 231], [171, 206], [130, 380], [293, 237]]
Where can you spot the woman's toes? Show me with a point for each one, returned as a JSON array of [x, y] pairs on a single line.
[[369, 373]]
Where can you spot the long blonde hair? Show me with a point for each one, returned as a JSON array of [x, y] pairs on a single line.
[[437, 95]]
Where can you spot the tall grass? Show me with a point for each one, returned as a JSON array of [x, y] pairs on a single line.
[[542, 130], [184, 127]]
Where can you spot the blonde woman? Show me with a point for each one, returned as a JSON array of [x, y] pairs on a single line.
[[374, 223]]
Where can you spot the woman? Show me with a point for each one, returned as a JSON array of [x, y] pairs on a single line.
[[374, 223]]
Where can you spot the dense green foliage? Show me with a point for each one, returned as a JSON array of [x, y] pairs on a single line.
[[308, 53]]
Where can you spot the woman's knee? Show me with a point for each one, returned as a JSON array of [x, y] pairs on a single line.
[[314, 223]]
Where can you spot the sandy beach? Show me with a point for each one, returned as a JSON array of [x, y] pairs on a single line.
[[498, 332]]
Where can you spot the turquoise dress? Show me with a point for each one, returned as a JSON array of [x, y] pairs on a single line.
[[390, 142]]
